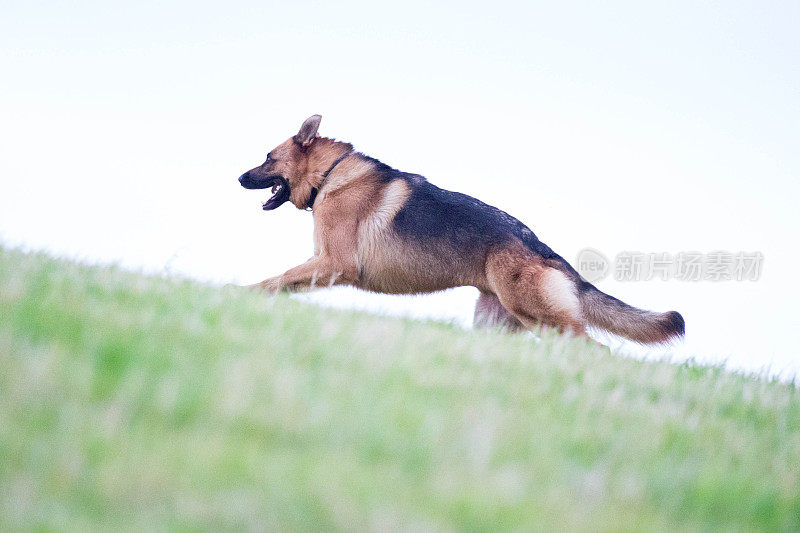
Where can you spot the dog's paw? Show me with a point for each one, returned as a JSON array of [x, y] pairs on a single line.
[[269, 286]]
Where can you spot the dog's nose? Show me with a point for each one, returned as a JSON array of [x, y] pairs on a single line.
[[242, 178]]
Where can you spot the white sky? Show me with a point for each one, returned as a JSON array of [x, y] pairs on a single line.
[[621, 127]]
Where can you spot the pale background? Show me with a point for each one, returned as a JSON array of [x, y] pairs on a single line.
[[621, 127]]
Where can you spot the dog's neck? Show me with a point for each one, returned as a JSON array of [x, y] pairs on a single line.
[[338, 160], [334, 153], [328, 153]]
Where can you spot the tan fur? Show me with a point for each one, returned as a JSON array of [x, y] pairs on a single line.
[[377, 252], [533, 292]]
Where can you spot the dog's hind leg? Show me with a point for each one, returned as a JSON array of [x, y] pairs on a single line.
[[490, 313], [534, 293]]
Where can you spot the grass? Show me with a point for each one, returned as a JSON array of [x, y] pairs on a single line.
[[134, 402]]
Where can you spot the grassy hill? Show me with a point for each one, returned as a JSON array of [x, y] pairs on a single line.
[[132, 402]]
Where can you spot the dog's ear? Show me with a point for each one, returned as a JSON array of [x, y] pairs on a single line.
[[308, 130]]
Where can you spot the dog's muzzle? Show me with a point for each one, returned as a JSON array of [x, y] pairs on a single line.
[[279, 184]]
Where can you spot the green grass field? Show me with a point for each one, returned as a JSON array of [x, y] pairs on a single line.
[[134, 402]]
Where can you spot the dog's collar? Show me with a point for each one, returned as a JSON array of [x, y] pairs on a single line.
[[314, 190], [327, 172]]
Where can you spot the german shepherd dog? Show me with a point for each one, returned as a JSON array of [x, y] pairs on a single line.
[[388, 231]]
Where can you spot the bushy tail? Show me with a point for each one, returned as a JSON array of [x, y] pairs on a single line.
[[610, 314]]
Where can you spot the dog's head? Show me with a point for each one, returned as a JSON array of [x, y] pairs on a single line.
[[295, 168]]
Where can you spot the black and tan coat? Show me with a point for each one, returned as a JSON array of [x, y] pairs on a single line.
[[389, 231]]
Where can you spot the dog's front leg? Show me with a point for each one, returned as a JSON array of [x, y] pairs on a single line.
[[317, 272]]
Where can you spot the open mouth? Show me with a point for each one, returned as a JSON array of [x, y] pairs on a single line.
[[280, 194], [280, 187]]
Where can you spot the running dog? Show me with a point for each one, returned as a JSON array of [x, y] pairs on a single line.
[[384, 230]]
